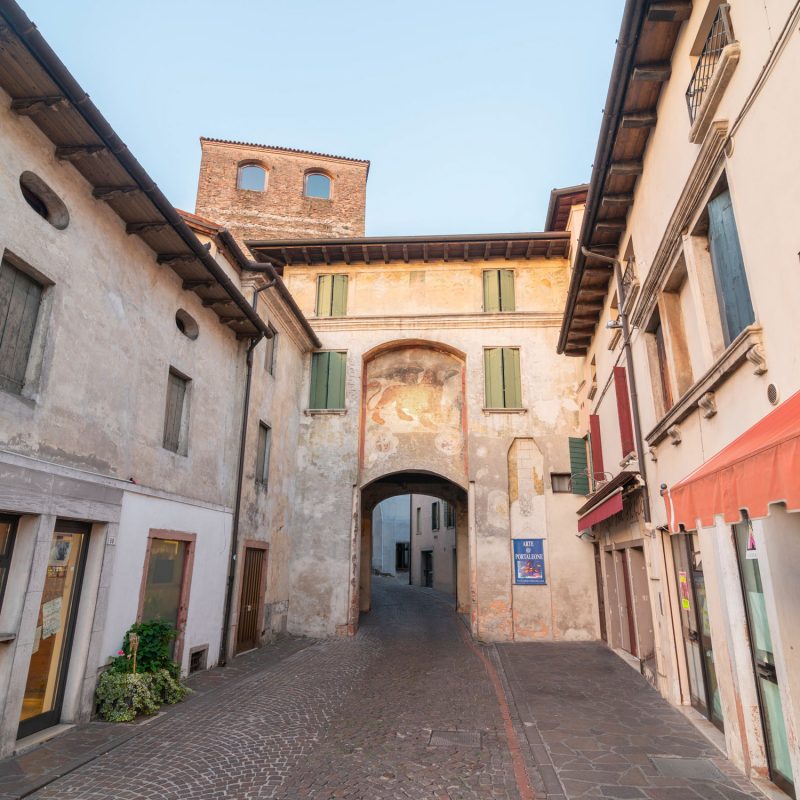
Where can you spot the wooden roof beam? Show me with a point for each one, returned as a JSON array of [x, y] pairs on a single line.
[[657, 72], [365, 253], [215, 303], [146, 227], [405, 253], [197, 284], [487, 251], [529, 249], [549, 252], [25, 106], [425, 252], [110, 192], [446, 253], [345, 254], [669, 10], [325, 254], [73, 152], [508, 250], [617, 199], [287, 259], [639, 119], [176, 258], [591, 294], [385, 251], [610, 226], [306, 256], [625, 168]]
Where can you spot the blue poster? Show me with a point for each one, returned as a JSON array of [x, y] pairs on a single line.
[[529, 562]]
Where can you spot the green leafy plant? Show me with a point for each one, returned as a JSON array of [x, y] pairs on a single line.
[[123, 694]]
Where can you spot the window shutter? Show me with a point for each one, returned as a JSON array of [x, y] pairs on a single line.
[[339, 302], [596, 443], [435, 516], [733, 293], [624, 411], [507, 302], [336, 375], [578, 467], [324, 295], [493, 372], [491, 290], [319, 379], [512, 389], [176, 393], [19, 308]]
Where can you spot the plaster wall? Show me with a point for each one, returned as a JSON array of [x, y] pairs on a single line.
[[440, 541]]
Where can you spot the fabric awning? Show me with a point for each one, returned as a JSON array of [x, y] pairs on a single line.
[[607, 508], [761, 467]]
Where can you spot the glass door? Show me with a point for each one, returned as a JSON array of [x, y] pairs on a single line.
[[55, 626], [780, 768], [695, 627]]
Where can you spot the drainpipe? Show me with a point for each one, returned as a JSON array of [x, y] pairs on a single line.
[[226, 617], [626, 343]]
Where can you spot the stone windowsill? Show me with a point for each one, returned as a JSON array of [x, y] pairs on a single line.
[[745, 347], [723, 72], [7, 637], [505, 410], [315, 412]]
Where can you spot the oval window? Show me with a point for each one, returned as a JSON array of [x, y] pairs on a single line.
[[318, 185], [186, 324], [43, 200], [252, 178]]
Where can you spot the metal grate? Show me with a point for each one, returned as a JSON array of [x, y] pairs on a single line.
[[197, 659], [701, 769], [719, 36], [772, 394], [455, 739]]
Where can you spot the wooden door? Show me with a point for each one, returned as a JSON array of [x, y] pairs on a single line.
[[251, 600], [601, 604]]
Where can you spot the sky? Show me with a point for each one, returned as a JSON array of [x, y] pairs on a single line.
[[470, 112]]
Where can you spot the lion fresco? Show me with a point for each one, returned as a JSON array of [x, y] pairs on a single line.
[[414, 392]]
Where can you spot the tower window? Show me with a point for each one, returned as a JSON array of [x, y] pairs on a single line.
[[317, 185], [252, 178]]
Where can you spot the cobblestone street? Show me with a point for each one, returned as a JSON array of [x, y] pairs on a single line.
[[355, 719]]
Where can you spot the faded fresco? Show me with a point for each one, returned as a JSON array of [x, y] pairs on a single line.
[[414, 402]]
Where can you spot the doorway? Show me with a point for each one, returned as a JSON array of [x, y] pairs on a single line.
[[251, 600], [695, 628], [427, 568], [55, 628]]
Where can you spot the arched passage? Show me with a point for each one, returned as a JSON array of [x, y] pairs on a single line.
[[413, 483]]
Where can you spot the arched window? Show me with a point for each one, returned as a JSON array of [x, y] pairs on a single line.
[[318, 185], [252, 178]]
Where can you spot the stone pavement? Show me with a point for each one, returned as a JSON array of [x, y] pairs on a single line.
[[409, 708]]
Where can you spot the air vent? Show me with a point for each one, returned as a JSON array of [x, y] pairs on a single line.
[[198, 658], [772, 394], [43, 200]]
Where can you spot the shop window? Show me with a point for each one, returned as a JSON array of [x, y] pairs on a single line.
[[251, 178], [435, 516], [327, 380], [20, 299], [271, 351], [8, 532], [331, 296], [176, 418], [502, 375], [318, 185], [498, 290], [262, 453]]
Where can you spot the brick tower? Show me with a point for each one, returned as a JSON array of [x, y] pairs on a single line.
[[261, 192]]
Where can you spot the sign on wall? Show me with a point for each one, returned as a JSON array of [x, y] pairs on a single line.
[[529, 562]]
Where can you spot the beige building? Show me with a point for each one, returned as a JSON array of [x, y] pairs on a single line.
[[679, 313]]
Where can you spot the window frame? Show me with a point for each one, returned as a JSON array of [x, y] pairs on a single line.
[[251, 164], [263, 453], [312, 172], [7, 554], [271, 351], [560, 476], [486, 375], [503, 300]]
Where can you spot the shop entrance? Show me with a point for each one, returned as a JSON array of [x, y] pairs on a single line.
[[55, 627]]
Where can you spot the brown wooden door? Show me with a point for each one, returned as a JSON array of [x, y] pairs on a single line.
[[251, 600]]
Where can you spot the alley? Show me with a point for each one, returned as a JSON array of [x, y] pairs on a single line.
[[361, 719]]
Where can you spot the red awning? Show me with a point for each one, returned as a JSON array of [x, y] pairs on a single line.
[[610, 506], [761, 467]]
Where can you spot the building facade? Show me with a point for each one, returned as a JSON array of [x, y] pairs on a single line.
[[677, 311]]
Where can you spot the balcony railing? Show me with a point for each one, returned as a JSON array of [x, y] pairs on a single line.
[[719, 36]]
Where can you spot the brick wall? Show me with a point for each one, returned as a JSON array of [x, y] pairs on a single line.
[[281, 211]]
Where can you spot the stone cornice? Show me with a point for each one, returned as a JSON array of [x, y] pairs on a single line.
[[512, 319]]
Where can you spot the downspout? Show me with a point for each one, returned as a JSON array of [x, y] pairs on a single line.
[[226, 617], [626, 344]]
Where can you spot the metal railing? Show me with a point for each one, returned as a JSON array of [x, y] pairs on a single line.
[[719, 36]]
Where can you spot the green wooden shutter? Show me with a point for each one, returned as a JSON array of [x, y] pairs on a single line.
[[491, 290], [319, 380], [733, 293], [20, 297], [512, 388], [339, 302], [336, 376], [578, 466], [507, 300], [493, 372], [324, 295]]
